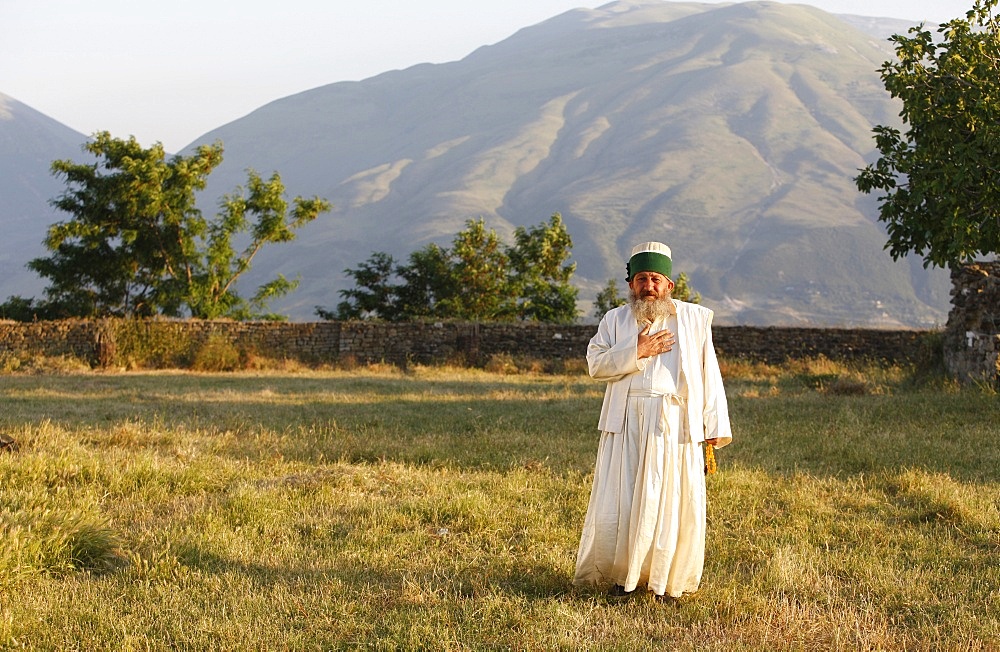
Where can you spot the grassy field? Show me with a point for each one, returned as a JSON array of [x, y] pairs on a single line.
[[441, 509]]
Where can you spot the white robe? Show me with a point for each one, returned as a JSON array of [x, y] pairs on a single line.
[[645, 524]]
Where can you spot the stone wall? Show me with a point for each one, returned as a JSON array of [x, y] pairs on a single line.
[[972, 335], [76, 338], [778, 344], [461, 341], [171, 342]]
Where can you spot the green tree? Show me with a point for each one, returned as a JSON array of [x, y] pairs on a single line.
[[261, 212], [683, 290], [373, 294], [540, 274], [134, 224], [137, 245], [941, 179], [478, 279], [427, 278], [384, 290], [479, 267], [608, 299]]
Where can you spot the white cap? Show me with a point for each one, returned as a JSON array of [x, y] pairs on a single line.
[[657, 247]]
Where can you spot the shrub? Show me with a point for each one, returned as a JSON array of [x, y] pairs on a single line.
[[501, 363], [147, 344], [9, 362], [217, 353]]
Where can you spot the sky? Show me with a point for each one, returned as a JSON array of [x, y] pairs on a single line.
[[171, 71]]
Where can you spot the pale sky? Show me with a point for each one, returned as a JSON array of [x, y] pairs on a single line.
[[169, 71]]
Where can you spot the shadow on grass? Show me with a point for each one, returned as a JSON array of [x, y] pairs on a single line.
[[409, 582], [488, 424], [494, 422]]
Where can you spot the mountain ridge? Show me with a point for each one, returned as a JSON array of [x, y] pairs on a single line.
[[29, 142]]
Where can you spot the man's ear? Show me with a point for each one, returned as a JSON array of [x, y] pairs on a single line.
[[671, 285]]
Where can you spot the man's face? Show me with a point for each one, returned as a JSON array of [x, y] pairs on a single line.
[[650, 286]]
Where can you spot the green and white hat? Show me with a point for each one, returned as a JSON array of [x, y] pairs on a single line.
[[649, 257]]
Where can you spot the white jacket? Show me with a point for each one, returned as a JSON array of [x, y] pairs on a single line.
[[611, 357]]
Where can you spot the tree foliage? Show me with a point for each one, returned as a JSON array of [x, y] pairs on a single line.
[[541, 275], [941, 179], [683, 290], [261, 212], [372, 293], [137, 245], [608, 298], [478, 278], [427, 279], [479, 287]]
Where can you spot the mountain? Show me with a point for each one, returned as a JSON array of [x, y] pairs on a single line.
[[29, 142], [879, 28], [731, 132]]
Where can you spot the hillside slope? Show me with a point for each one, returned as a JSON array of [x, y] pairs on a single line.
[[732, 132], [29, 142]]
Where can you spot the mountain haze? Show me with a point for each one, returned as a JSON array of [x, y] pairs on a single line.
[[29, 142], [731, 132]]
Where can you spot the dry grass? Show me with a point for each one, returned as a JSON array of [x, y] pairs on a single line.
[[440, 508]]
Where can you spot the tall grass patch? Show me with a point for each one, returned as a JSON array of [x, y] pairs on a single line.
[[440, 508]]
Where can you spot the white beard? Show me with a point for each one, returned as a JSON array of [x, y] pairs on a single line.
[[649, 311]]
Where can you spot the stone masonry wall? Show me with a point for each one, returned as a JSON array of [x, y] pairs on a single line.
[[778, 344], [972, 335], [108, 342], [55, 338]]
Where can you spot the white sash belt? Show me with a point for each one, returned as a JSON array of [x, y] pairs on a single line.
[[679, 399]]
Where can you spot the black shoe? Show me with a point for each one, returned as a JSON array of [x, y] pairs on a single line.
[[667, 599], [618, 591]]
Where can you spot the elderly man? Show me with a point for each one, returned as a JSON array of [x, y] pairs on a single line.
[[645, 524]]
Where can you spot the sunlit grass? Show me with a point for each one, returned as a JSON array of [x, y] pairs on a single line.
[[440, 508]]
